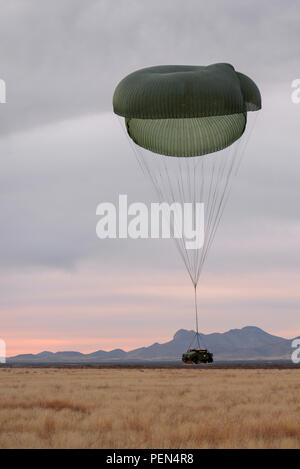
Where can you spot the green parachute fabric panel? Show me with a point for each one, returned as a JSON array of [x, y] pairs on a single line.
[[178, 91], [187, 137], [250, 92], [180, 110]]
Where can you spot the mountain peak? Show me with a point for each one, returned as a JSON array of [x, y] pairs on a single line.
[[182, 334], [253, 329], [247, 343]]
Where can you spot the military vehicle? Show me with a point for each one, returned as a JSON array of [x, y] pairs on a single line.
[[197, 355]]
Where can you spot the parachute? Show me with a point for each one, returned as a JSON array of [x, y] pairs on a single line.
[[185, 124]]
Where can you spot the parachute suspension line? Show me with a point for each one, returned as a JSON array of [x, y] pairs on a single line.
[[120, 121], [163, 196], [143, 164], [235, 164], [221, 184], [220, 206], [207, 179], [210, 206], [196, 336], [196, 315], [211, 171]]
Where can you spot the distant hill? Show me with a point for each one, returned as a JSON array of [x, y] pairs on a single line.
[[248, 343]]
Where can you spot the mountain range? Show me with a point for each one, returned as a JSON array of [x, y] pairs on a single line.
[[248, 343]]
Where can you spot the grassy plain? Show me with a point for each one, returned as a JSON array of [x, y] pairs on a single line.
[[149, 408]]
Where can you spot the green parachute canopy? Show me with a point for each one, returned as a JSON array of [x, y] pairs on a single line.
[[180, 110]]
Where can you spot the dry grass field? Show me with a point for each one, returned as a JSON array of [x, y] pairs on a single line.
[[149, 408]]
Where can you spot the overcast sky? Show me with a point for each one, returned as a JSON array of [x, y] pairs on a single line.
[[63, 152]]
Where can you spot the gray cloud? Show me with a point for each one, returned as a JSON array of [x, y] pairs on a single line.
[[63, 58], [53, 178]]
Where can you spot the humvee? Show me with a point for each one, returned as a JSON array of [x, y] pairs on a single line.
[[197, 355]]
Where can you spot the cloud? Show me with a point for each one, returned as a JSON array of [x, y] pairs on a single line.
[[53, 177], [64, 58]]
